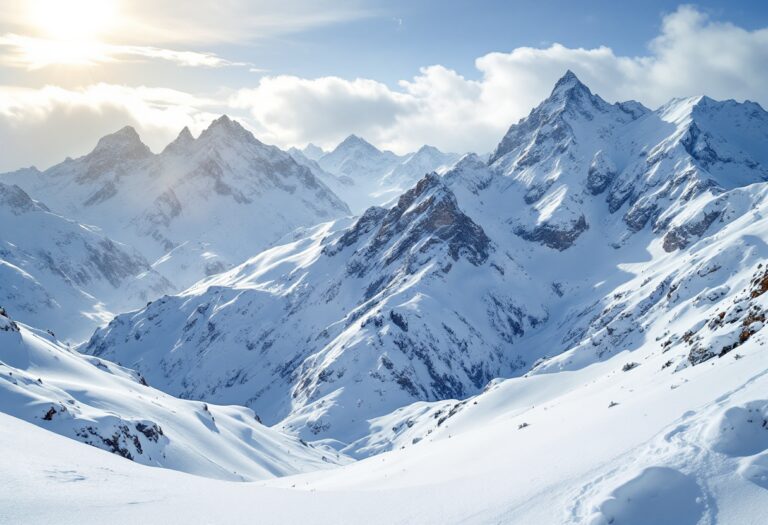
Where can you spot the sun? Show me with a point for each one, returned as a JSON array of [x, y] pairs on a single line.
[[72, 20], [68, 31]]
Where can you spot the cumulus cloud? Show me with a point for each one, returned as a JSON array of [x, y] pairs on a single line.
[[288, 109], [692, 54]]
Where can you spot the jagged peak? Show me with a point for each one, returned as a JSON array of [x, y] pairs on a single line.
[[469, 160], [354, 141], [426, 214], [430, 209], [185, 134], [313, 152], [125, 140], [229, 128], [427, 150], [181, 142], [570, 100], [568, 82], [428, 182], [569, 92], [688, 110]]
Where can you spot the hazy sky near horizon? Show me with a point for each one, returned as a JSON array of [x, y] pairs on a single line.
[[450, 73]]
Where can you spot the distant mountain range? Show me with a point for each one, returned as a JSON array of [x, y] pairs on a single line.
[[197, 208], [365, 176]]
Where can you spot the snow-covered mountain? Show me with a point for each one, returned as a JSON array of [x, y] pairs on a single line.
[[64, 276], [592, 226], [571, 331], [101, 404], [312, 152], [365, 176], [376, 307], [199, 207]]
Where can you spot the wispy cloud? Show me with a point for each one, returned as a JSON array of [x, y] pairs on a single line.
[[38, 33], [35, 53], [140, 22]]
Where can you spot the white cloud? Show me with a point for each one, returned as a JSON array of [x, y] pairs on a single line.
[[180, 21], [40, 33], [691, 55], [35, 53], [288, 109], [43, 126]]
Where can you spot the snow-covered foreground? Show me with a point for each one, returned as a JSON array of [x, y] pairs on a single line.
[[683, 448], [101, 404]]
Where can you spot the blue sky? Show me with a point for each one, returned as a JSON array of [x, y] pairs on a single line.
[[409, 34], [450, 73]]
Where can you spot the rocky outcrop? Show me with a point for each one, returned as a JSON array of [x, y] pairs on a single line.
[[556, 237]]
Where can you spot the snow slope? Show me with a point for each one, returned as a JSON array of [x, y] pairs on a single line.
[[200, 206], [372, 307], [685, 447], [112, 408], [65, 276]]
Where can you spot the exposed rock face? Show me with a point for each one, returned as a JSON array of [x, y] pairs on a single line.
[[732, 326], [601, 174], [557, 238], [423, 216], [679, 237], [6, 323]]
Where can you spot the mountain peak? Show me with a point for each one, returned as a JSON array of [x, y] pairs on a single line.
[[181, 142], [568, 83], [354, 141], [185, 134], [125, 141], [312, 152], [426, 149], [424, 216], [225, 126]]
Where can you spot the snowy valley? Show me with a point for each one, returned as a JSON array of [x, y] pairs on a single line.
[[569, 331]]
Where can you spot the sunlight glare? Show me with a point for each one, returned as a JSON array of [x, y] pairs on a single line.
[[72, 20], [68, 31]]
